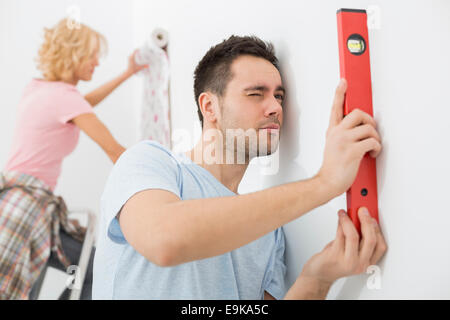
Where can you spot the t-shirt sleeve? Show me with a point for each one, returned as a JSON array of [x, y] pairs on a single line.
[[147, 165], [275, 280], [71, 104]]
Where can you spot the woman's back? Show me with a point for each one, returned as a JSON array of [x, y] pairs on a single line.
[[43, 136]]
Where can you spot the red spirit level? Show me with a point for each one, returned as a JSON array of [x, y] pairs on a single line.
[[354, 63]]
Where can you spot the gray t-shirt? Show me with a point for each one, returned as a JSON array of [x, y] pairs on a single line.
[[120, 272]]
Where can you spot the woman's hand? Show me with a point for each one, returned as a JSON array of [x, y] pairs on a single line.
[[96, 96], [133, 67]]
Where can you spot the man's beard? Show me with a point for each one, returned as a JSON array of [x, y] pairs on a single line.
[[245, 145]]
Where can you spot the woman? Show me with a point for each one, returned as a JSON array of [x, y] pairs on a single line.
[[50, 116]]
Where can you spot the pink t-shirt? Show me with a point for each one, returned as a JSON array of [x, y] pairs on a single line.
[[43, 136]]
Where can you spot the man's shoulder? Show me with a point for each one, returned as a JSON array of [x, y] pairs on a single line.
[[145, 165], [145, 145], [145, 159], [147, 151]]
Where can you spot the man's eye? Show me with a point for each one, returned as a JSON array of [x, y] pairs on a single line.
[[255, 94], [279, 96]]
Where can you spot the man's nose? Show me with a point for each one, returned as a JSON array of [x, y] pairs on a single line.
[[273, 108]]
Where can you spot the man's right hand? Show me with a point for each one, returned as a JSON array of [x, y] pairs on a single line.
[[348, 140], [347, 255]]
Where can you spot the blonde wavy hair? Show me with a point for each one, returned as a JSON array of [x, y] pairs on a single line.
[[66, 46]]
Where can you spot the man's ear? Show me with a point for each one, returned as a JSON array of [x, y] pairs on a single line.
[[209, 106]]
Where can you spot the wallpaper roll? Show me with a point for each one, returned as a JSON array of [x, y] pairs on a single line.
[[160, 38], [155, 113]]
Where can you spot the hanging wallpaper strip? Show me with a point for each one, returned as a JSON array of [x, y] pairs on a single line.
[[155, 107]]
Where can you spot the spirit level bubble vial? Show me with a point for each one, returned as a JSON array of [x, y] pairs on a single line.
[[354, 61]]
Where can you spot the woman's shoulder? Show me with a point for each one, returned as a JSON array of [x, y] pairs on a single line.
[[54, 89], [60, 99], [38, 82]]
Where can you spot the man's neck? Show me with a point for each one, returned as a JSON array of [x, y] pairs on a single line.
[[230, 175]]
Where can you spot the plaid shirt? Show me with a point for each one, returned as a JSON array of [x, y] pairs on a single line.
[[30, 218]]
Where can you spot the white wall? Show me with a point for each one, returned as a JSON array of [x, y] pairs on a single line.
[[410, 75]]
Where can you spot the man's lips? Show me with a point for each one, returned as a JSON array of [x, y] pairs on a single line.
[[272, 126]]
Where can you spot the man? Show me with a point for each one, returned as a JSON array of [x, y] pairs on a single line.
[[173, 226]]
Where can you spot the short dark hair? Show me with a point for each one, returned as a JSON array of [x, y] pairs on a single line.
[[213, 72]]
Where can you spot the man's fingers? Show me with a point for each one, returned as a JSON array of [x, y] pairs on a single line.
[[337, 111], [351, 238], [363, 132], [356, 118], [339, 242], [369, 237], [369, 145], [381, 246], [328, 245]]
